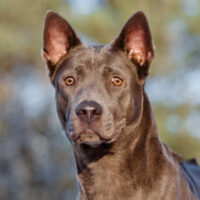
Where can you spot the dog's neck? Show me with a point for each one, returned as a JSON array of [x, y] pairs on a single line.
[[130, 159]]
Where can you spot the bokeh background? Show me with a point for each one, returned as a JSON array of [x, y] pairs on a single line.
[[36, 160]]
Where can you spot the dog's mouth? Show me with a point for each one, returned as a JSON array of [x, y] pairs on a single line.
[[94, 139], [89, 137]]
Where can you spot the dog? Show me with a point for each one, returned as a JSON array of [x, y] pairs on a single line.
[[106, 114]]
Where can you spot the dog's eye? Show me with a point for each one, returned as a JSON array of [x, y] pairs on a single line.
[[117, 81], [69, 81]]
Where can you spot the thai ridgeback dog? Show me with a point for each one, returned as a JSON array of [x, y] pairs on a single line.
[[106, 114]]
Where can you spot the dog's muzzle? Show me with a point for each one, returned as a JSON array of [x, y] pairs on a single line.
[[89, 125], [89, 113]]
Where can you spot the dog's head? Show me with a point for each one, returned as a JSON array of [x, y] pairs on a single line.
[[99, 89]]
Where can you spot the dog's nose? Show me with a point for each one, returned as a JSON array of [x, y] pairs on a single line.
[[89, 111]]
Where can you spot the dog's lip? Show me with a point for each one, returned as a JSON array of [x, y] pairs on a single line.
[[117, 130], [94, 138], [86, 132], [89, 137]]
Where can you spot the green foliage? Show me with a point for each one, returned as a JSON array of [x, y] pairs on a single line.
[[21, 30]]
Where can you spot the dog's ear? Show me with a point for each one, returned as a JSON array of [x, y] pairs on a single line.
[[58, 39], [136, 41]]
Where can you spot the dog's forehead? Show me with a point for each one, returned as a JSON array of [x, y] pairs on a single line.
[[87, 57], [96, 59]]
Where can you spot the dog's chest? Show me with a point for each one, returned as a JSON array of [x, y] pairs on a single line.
[[104, 183]]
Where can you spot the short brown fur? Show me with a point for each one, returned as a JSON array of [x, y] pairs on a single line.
[[118, 153]]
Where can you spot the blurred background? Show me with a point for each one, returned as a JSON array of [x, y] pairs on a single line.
[[36, 160]]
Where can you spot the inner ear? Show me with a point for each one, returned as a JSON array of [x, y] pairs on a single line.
[[58, 38], [136, 41]]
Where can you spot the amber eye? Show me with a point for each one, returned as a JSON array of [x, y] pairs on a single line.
[[69, 81], [117, 81]]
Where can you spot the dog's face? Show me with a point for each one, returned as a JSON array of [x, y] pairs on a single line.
[[94, 92], [99, 88]]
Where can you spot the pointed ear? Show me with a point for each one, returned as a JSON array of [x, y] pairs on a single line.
[[136, 41], [58, 39]]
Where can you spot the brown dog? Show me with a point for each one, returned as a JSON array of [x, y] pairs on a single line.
[[107, 116]]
